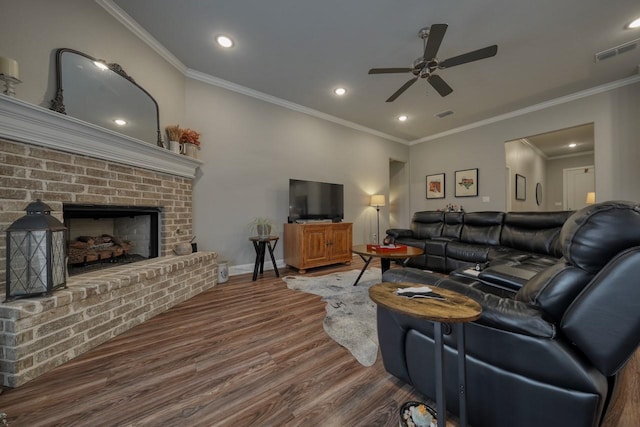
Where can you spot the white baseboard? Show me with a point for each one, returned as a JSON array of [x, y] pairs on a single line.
[[235, 270]]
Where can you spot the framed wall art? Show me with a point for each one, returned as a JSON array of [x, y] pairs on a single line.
[[521, 187], [466, 183], [435, 186]]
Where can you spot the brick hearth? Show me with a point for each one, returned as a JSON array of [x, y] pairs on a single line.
[[103, 168], [42, 333]]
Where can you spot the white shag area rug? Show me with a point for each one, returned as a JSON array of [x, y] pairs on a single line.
[[351, 315]]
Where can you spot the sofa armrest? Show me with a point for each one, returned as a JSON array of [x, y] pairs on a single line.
[[497, 312], [399, 232]]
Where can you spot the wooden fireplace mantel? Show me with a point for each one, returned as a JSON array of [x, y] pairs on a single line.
[[32, 124]]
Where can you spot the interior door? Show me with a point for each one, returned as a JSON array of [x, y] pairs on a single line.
[[577, 183]]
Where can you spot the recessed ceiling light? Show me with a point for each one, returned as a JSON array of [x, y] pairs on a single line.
[[224, 41], [403, 118], [340, 91], [120, 122], [634, 24], [573, 145]]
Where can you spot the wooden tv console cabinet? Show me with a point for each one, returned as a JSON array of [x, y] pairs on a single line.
[[317, 244]]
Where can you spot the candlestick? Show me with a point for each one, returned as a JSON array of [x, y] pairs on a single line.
[[9, 74]]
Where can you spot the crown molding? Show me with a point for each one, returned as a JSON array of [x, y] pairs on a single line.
[[141, 33], [225, 84], [541, 106], [32, 124], [126, 20]]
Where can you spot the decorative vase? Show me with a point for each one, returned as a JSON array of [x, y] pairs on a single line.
[[176, 147], [182, 248], [191, 150], [264, 230]]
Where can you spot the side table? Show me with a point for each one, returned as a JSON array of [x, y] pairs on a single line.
[[454, 308], [385, 257], [261, 244]]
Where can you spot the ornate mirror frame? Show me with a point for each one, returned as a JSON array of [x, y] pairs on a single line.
[[58, 102]]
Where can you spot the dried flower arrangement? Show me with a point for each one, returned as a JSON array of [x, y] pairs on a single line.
[[190, 136], [173, 132]]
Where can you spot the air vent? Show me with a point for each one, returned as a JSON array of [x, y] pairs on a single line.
[[444, 114], [618, 50]]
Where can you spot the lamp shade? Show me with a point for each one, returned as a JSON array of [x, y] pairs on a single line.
[[377, 200], [36, 260], [591, 197]]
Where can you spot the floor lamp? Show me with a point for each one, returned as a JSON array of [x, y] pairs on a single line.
[[377, 200]]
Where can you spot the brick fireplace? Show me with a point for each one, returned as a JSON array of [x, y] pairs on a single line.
[[66, 162]]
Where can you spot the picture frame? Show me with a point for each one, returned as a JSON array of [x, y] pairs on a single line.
[[521, 187], [466, 183], [435, 186]]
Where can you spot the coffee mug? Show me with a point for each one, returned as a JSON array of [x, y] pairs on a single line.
[[176, 147]]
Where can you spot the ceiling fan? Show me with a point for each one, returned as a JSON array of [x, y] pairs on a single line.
[[425, 65]]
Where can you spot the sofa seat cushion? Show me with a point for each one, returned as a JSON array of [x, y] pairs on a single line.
[[508, 276], [467, 252], [435, 247]]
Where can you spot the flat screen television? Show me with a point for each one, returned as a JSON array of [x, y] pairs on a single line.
[[311, 200]]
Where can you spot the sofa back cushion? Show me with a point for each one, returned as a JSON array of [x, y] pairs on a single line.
[[482, 228], [534, 231], [427, 224], [452, 224], [592, 236], [604, 320]]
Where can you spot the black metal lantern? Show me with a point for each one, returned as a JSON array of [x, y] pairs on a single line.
[[36, 253]]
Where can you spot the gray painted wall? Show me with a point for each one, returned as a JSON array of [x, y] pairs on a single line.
[[525, 161], [251, 148], [617, 139]]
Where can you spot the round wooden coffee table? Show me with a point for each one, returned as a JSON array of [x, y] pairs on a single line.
[[385, 256], [451, 307]]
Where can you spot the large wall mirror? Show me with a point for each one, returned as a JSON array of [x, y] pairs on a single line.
[[105, 95], [558, 167]]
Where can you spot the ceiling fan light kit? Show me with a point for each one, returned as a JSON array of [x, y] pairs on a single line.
[[424, 66]]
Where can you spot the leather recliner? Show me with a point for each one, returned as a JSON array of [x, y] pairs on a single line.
[[548, 355]]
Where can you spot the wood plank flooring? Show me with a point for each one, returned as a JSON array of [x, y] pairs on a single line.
[[220, 359]]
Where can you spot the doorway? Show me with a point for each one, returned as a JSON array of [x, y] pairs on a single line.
[[577, 182]]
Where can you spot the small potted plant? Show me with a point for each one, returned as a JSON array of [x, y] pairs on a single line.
[[261, 226], [191, 139]]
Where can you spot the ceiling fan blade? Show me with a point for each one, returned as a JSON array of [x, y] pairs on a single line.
[[436, 34], [439, 85], [402, 89], [389, 70], [475, 55]]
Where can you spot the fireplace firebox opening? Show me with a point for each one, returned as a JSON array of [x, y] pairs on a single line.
[[100, 236]]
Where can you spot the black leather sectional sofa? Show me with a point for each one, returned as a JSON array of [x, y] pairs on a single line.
[[513, 246], [548, 354]]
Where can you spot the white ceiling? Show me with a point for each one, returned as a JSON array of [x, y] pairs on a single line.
[[300, 50], [556, 144]]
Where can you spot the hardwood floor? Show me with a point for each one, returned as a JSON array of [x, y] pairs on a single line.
[[219, 359], [222, 359]]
